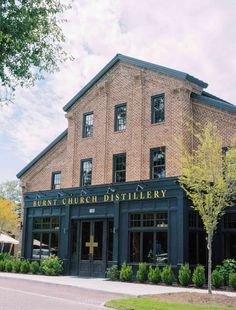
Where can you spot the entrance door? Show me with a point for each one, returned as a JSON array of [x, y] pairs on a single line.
[[93, 248]]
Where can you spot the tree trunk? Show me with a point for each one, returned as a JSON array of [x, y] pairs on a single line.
[[209, 247]]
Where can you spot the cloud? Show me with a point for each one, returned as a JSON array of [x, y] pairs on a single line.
[[196, 37]]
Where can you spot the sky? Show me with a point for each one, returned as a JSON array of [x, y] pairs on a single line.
[[197, 37]]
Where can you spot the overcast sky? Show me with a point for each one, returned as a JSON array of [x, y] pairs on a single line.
[[198, 37]]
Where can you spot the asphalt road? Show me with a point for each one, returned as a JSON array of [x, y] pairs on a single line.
[[18, 294]]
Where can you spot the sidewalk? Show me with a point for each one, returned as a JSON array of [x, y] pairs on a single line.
[[133, 289]]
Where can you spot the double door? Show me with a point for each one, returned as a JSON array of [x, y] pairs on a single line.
[[93, 248]]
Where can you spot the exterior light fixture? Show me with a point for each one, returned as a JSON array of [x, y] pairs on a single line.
[[139, 188], [110, 190], [83, 192]]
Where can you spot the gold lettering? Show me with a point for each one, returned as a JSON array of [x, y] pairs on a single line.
[[54, 202], [34, 203], [76, 200], [106, 198], [117, 198], [129, 196], [94, 199], [163, 191], [149, 195], [156, 194], [81, 199], [87, 199], [63, 201], [49, 202], [123, 196], [70, 200], [39, 203], [44, 203], [141, 196], [112, 197], [135, 196]]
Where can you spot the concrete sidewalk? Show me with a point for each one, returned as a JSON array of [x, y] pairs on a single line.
[[132, 289]]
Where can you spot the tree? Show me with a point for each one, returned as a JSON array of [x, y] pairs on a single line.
[[11, 190], [8, 216], [209, 180], [30, 42]]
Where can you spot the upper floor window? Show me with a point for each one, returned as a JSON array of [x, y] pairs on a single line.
[[158, 162], [88, 125], [86, 172], [120, 117], [158, 108], [119, 168], [56, 180]]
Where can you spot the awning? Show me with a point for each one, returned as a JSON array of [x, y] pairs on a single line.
[[7, 239]]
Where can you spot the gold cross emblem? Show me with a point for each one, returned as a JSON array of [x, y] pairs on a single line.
[[91, 245]]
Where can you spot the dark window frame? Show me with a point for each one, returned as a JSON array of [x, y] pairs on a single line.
[[54, 173], [115, 156], [81, 170], [152, 150], [116, 124], [153, 121], [141, 230], [84, 131]]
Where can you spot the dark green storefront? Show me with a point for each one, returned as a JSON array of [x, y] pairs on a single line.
[[93, 228]]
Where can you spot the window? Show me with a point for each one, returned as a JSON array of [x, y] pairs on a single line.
[[88, 125], [86, 172], [119, 168], [120, 117], [148, 234], [45, 237], [157, 162], [158, 108], [56, 180], [230, 221]]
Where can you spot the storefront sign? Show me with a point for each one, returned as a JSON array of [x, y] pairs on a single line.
[[91, 199]]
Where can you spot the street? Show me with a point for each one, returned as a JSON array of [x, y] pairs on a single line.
[[16, 294]]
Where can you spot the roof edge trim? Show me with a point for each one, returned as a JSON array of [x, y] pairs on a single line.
[[41, 154], [140, 63], [215, 103]]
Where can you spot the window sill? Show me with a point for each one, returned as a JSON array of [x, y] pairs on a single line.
[[160, 123]]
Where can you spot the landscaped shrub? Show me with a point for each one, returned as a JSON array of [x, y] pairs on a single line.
[[232, 280], [126, 273], [167, 275], [24, 266], [217, 279], [199, 278], [5, 256], [8, 266], [2, 265], [184, 275], [34, 267], [16, 265], [142, 273], [228, 266], [113, 273], [51, 266], [154, 274]]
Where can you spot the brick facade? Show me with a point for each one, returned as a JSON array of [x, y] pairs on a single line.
[[126, 83]]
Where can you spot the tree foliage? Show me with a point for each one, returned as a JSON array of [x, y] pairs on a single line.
[[8, 216], [31, 41], [11, 190], [209, 179]]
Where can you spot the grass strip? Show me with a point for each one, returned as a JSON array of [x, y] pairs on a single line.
[[145, 303]]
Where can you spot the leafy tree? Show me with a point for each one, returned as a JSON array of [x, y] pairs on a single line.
[[11, 190], [209, 179], [8, 216], [30, 42]]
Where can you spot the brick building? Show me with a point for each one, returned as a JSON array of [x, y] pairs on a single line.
[[105, 191]]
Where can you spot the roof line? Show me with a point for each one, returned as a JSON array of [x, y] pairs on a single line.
[[41, 154], [143, 64], [216, 103]]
